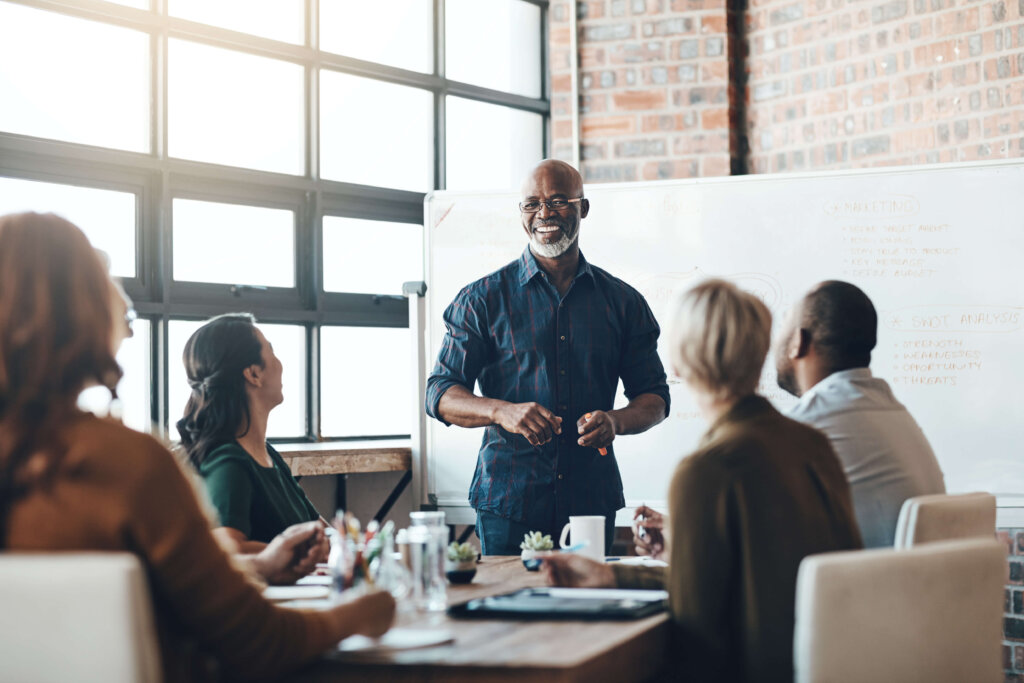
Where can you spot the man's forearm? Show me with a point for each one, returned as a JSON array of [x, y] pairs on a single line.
[[462, 407], [642, 413]]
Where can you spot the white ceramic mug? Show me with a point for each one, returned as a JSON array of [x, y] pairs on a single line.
[[588, 530]]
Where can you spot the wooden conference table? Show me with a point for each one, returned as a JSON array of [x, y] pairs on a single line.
[[508, 650]]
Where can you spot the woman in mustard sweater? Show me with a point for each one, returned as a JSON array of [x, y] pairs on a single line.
[[72, 481]]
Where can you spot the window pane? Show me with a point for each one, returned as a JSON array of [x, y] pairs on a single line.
[[233, 244], [375, 133], [362, 370], [282, 20], [494, 44], [490, 147], [371, 257], [106, 217], [134, 387], [289, 342], [74, 80], [397, 33], [235, 109]]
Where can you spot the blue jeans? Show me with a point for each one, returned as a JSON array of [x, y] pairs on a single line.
[[500, 536]]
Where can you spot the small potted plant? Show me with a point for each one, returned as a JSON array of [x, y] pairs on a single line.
[[461, 565], [534, 543]]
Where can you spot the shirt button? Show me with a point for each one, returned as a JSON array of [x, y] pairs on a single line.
[[561, 372], [563, 407], [563, 337], [559, 476]]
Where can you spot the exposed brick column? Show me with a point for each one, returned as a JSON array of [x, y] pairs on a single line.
[[654, 100], [1013, 608], [838, 83]]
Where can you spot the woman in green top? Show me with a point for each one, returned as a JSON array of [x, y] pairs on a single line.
[[236, 381]]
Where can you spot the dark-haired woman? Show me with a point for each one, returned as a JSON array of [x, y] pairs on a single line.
[[236, 381], [72, 481]]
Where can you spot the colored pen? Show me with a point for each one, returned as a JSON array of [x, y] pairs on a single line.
[[640, 530], [602, 451]]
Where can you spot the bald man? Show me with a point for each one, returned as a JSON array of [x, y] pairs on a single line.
[[548, 337], [822, 356]]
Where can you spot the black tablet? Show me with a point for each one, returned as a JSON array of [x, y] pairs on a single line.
[[566, 603]]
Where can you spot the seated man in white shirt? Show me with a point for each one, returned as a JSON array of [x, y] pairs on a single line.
[[822, 356]]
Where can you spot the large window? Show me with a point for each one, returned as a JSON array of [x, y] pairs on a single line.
[[268, 156]]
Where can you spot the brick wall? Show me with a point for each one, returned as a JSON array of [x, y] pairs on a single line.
[[654, 88], [1013, 620], [829, 84], [844, 83]]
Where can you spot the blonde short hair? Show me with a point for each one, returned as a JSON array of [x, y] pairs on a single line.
[[719, 338]]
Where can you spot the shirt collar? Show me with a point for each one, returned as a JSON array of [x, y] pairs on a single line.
[[529, 268], [841, 377]]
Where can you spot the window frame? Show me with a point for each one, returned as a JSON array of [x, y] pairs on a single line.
[[157, 179]]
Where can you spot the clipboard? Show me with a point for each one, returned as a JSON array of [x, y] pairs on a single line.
[[565, 603]]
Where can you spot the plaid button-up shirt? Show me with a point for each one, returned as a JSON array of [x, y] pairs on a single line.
[[514, 334]]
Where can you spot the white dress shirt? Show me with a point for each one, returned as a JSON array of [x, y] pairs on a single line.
[[885, 454]]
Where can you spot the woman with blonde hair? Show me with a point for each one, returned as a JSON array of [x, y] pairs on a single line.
[[72, 481], [760, 493]]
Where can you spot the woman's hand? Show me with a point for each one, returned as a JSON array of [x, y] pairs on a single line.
[[651, 541], [375, 611], [293, 553]]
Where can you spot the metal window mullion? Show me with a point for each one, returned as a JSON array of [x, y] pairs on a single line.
[[313, 417], [440, 116], [500, 97], [161, 229], [545, 79]]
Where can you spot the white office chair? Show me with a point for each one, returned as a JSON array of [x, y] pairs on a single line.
[[943, 517], [83, 617], [931, 614]]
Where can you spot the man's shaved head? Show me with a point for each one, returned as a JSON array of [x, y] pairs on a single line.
[[553, 173], [842, 322]]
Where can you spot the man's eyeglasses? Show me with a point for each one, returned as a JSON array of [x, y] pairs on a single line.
[[533, 205]]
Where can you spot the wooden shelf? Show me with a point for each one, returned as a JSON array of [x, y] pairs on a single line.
[[347, 457]]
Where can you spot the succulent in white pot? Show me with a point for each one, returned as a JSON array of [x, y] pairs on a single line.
[[534, 543], [461, 556]]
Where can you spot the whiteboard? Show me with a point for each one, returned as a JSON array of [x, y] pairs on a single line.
[[938, 249]]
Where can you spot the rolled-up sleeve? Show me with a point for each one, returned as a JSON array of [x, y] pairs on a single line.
[[463, 351], [641, 369]]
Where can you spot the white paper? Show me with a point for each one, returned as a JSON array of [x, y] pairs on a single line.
[[314, 580], [642, 561], [279, 593], [397, 639]]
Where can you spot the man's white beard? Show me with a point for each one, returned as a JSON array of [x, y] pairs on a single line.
[[553, 249]]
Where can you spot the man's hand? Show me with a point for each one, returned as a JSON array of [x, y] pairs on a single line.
[[575, 571], [598, 431], [532, 420], [293, 553], [652, 543]]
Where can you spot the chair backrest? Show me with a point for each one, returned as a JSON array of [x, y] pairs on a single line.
[[80, 617], [928, 614], [943, 517]]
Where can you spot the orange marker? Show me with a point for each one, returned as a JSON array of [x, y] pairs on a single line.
[[602, 451]]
